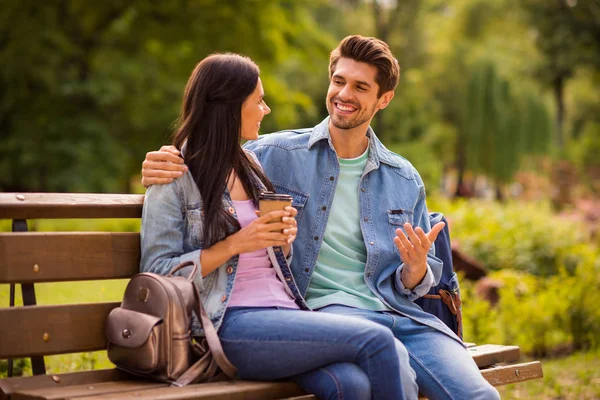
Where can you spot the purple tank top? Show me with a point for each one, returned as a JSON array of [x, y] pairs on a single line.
[[256, 282]]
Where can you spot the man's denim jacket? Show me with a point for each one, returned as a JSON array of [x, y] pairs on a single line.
[[171, 233], [304, 164]]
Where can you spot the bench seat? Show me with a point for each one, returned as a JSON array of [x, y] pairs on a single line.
[[495, 361]]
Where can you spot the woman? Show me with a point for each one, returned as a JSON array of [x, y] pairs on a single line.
[[209, 216]]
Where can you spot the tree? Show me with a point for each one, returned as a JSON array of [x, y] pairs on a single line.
[[87, 88], [498, 128], [568, 34], [397, 18]]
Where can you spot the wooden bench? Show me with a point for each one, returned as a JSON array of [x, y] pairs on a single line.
[[27, 258]]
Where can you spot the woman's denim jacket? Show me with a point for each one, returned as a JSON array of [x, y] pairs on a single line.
[[171, 233], [304, 164]]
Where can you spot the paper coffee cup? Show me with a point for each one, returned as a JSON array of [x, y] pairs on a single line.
[[269, 201]]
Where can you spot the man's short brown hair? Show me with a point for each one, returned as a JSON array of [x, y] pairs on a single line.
[[371, 51]]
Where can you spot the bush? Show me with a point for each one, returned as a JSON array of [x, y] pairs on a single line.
[[526, 237], [540, 314], [550, 275]]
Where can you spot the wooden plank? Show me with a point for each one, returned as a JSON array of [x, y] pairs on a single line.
[[489, 354], [98, 389], [70, 205], [230, 390], [11, 385], [29, 257], [45, 330], [506, 374], [305, 397]]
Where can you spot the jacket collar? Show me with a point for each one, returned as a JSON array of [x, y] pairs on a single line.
[[377, 151]]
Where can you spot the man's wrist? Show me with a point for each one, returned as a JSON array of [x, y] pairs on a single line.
[[411, 276]]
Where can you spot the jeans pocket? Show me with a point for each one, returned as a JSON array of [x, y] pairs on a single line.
[[397, 219]]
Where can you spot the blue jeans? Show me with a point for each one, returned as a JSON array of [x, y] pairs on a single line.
[[331, 356], [444, 369]]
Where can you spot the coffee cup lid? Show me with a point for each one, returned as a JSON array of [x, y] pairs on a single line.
[[274, 196]]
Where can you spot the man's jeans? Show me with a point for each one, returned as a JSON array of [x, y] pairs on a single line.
[[331, 356], [444, 369]]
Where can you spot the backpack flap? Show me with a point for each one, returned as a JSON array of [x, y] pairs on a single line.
[[133, 340]]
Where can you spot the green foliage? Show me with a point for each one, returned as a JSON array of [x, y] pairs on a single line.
[[548, 269], [539, 314], [543, 314], [498, 127], [94, 86], [74, 362], [21, 366], [526, 237], [566, 35], [78, 225], [584, 152], [478, 316]]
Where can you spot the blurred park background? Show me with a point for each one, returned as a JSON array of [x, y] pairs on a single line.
[[498, 107]]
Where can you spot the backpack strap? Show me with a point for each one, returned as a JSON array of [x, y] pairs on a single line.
[[453, 302], [206, 364]]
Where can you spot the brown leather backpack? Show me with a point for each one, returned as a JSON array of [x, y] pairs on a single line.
[[149, 335]]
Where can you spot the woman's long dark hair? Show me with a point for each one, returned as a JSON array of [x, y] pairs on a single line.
[[210, 127]]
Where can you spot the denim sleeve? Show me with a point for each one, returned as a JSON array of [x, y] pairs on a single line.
[[253, 156], [163, 232], [252, 145], [418, 291], [434, 265]]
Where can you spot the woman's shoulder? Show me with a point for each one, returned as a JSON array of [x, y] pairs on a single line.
[[183, 189]]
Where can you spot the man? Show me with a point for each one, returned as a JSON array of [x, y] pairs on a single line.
[[357, 252]]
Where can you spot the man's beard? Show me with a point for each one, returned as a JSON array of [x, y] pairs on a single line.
[[360, 118]]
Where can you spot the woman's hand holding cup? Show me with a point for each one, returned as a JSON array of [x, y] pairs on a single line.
[[292, 231], [262, 233]]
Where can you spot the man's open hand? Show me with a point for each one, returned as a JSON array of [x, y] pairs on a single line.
[[413, 251]]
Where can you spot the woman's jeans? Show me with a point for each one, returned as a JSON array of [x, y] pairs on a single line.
[[331, 356]]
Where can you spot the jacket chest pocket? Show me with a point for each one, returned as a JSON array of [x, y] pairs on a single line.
[[397, 219], [195, 226], [298, 198]]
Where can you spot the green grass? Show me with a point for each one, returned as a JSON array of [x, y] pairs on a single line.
[[69, 293], [575, 377], [78, 225]]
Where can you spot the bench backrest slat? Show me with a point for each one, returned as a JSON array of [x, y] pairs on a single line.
[[69, 205], [27, 258], [59, 256], [45, 330]]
